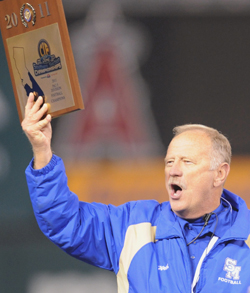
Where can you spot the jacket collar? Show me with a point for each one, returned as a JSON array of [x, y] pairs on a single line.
[[168, 227], [240, 228]]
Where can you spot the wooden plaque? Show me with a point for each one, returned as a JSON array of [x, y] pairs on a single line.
[[39, 54]]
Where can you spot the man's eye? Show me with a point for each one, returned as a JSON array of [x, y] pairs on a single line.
[[169, 162], [187, 162]]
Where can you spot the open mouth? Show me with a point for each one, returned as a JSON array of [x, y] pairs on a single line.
[[176, 189]]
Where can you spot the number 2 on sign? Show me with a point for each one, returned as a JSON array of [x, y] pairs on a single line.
[[11, 20]]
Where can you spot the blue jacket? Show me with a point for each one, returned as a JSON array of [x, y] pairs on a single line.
[[140, 241]]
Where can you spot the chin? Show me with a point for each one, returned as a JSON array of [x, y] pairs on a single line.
[[179, 212]]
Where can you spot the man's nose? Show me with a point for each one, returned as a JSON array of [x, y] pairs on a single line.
[[175, 169]]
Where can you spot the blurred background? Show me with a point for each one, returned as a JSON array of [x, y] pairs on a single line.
[[144, 67]]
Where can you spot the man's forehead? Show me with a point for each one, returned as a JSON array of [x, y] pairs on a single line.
[[191, 140], [192, 135]]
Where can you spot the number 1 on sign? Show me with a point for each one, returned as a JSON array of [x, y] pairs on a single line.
[[41, 9]]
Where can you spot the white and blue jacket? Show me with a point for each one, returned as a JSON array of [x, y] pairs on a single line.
[[140, 241]]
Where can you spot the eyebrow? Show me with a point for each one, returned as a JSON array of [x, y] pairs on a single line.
[[168, 158], [182, 158]]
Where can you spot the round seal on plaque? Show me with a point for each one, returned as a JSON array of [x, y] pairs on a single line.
[[28, 14], [43, 48]]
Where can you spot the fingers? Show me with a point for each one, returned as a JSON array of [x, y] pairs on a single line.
[[37, 105], [44, 122], [30, 102], [36, 125], [36, 117], [37, 109], [42, 109]]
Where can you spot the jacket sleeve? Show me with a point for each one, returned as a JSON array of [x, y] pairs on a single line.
[[81, 229]]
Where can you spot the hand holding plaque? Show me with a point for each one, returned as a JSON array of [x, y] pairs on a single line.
[[39, 54]]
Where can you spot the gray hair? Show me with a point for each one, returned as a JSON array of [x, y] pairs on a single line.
[[221, 148]]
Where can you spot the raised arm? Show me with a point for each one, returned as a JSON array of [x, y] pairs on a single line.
[[81, 229]]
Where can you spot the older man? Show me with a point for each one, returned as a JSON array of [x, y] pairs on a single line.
[[193, 243]]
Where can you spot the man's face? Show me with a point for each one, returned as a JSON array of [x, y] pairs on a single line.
[[189, 180]]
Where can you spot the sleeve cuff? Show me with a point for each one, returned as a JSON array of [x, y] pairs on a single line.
[[46, 169]]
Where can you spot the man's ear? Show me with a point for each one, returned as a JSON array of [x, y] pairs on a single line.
[[221, 174]]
